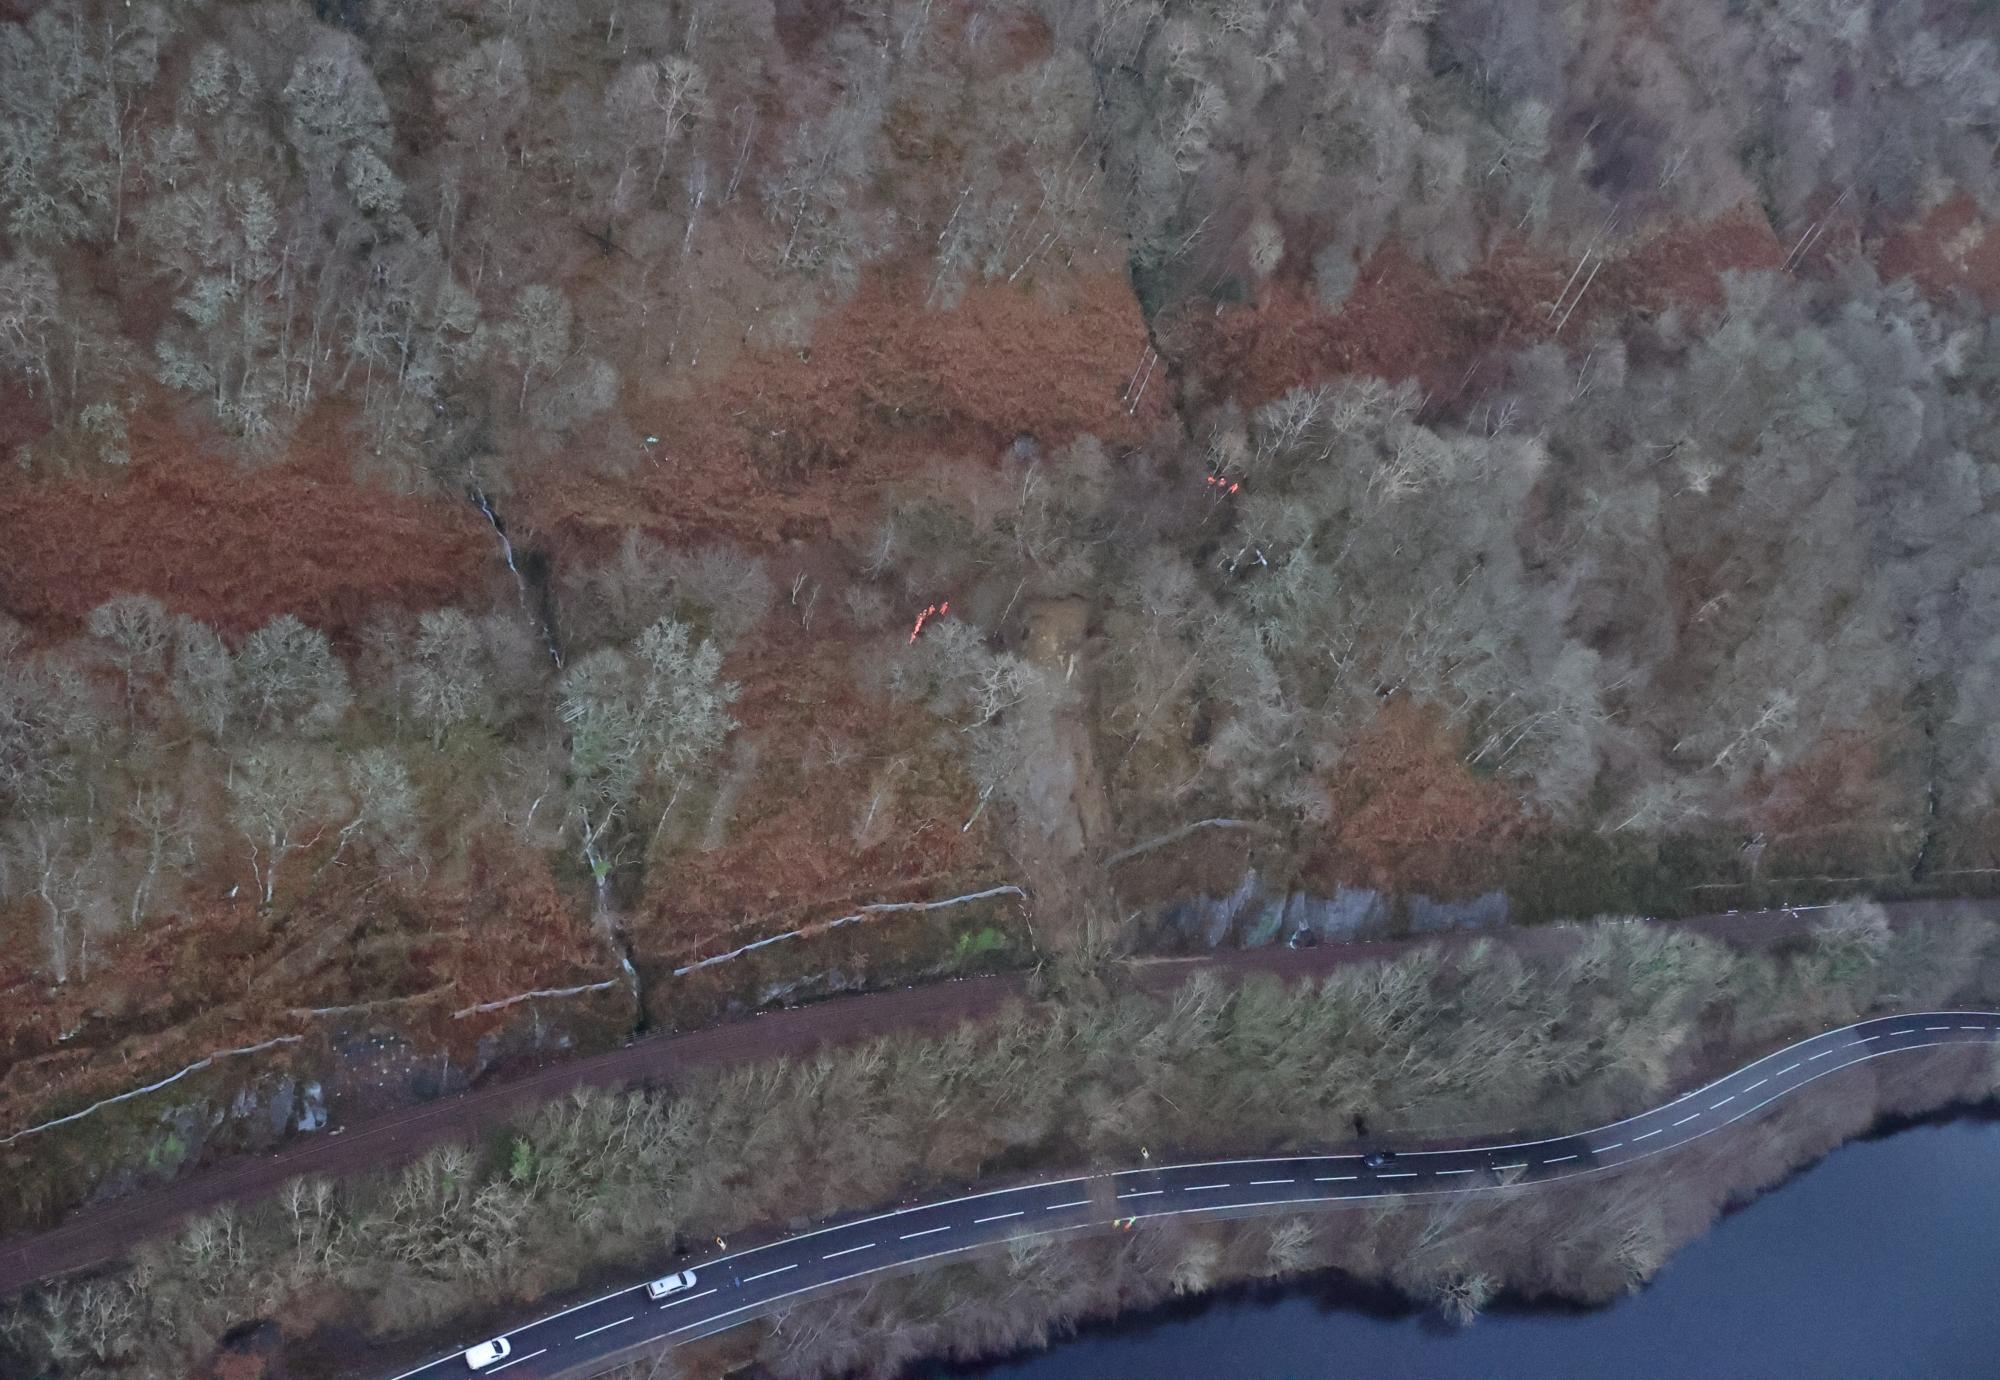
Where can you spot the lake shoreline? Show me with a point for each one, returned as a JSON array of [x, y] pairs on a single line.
[[1357, 1300]]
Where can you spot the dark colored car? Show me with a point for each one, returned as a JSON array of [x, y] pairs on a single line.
[[1378, 1159]]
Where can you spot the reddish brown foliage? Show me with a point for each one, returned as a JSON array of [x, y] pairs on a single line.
[[510, 929], [1406, 808], [226, 974], [1006, 360], [1014, 41], [1683, 265], [791, 851], [785, 443], [233, 547], [238, 1365], [23, 420], [1402, 321], [1829, 788], [1950, 249]]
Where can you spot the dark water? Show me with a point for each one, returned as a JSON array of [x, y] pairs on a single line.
[[1882, 1261]]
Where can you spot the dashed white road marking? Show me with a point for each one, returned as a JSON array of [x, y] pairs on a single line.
[[864, 1246], [1503, 1168], [1143, 1193], [1331, 1178], [1615, 1145], [606, 1328], [518, 1359], [1724, 1103], [1203, 1188], [998, 1217], [927, 1231]]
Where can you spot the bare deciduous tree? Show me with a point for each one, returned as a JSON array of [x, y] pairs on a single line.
[[203, 679], [447, 682], [385, 806], [166, 840], [287, 678], [535, 338], [276, 792], [136, 631], [53, 861]]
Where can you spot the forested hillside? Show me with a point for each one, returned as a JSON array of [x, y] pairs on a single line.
[[499, 489]]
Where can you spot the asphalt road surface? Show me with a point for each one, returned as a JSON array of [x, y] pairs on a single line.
[[734, 1287], [106, 1231]]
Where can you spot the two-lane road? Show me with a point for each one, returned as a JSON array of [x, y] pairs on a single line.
[[734, 1287]]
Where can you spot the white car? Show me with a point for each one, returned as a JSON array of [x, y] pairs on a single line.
[[486, 1353], [670, 1284]]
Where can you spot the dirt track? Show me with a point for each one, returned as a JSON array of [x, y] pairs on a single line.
[[102, 1233]]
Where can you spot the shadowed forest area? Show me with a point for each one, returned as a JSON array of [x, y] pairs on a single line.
[[507, 497]]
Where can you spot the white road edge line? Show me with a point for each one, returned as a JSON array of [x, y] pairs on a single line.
[[752, 1279], [864, 1246], [1000, 1217], [958, 1250], [808, 1288], [1992, 1022], [927, 1231], [606, 1328], [564, 1313]]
